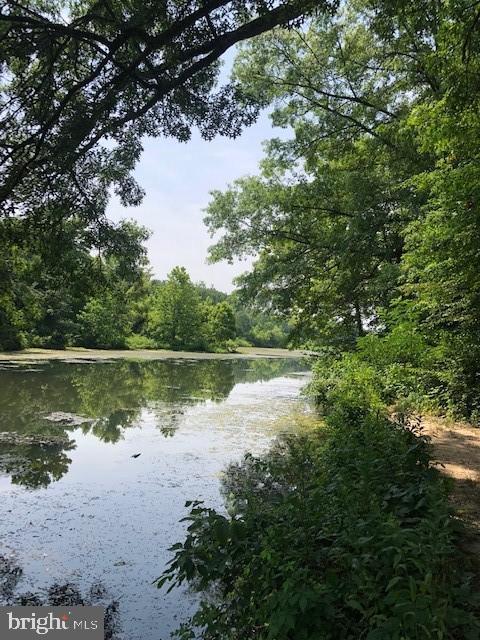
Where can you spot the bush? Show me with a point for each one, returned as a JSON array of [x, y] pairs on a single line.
[[402, 369], [397, 369], [137, 341], [342, 533], [459, 392], [346, 380], [241, 342]]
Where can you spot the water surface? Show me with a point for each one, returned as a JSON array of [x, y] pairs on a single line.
[[77, 507]]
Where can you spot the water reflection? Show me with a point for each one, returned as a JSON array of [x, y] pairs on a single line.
[[104, 399]]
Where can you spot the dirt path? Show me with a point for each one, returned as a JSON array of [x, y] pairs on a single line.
[[457, 449]]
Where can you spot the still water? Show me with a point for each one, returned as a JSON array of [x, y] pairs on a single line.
[[75, 505]]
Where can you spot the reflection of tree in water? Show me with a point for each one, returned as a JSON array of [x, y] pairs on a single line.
[[109, 428], [111, 396], [34, 466], [263, 369]]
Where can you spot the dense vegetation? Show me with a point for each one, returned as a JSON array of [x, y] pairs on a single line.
[[343, 533], [105, 301], [82, 83], [364, 220]]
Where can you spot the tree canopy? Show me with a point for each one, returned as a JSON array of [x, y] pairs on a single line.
[[358, 91], [84, 81], [367, 214]]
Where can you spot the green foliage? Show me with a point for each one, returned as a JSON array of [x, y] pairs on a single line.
[[68, 295], [184, 315], [342, 533], [327, 213], [349, 380], [104, 322], [395, 369], [259, 328], [441, 263], [175, 317], [137, 341], [11, 336], [210, 294], [373, 200], [45, 287], [65, 88], [220, 326], [402, 370]]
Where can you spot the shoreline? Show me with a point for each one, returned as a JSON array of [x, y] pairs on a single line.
[[91, 355]]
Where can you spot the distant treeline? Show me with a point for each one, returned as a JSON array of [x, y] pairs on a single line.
[[71, 293]]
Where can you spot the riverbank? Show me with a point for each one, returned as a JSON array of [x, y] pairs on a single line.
[[80, 353]]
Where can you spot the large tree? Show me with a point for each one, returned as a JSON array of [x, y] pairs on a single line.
[[82, 83], [175, 315], [362, 92], [46, 282]]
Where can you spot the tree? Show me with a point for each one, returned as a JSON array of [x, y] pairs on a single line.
[[368, 216], [175, 319], [262, 329], [11, 336], [210, 294], [46, 283], [84, 81], [104, 322], [220, 324], [328, 215]]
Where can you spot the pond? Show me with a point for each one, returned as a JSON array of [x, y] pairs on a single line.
[[97, 460]]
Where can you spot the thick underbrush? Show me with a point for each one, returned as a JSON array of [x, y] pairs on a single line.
[[402, 369], [344, 532]]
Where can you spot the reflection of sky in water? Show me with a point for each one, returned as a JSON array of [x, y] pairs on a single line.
[[110, 517]]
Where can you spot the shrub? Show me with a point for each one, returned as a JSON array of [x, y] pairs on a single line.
[[137, 341], [242, 342], [399, 368], [342, 533]]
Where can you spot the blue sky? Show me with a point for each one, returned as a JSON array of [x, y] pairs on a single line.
[[177, 178]]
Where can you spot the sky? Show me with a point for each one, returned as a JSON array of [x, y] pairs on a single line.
[[177, 178]]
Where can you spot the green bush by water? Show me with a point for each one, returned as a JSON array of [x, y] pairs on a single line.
[[404, 371], [344, 532]]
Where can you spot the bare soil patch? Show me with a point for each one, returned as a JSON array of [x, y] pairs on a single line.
[[457, 450]]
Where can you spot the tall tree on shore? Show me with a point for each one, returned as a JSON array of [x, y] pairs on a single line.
[[175, 315], [366, 167]]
